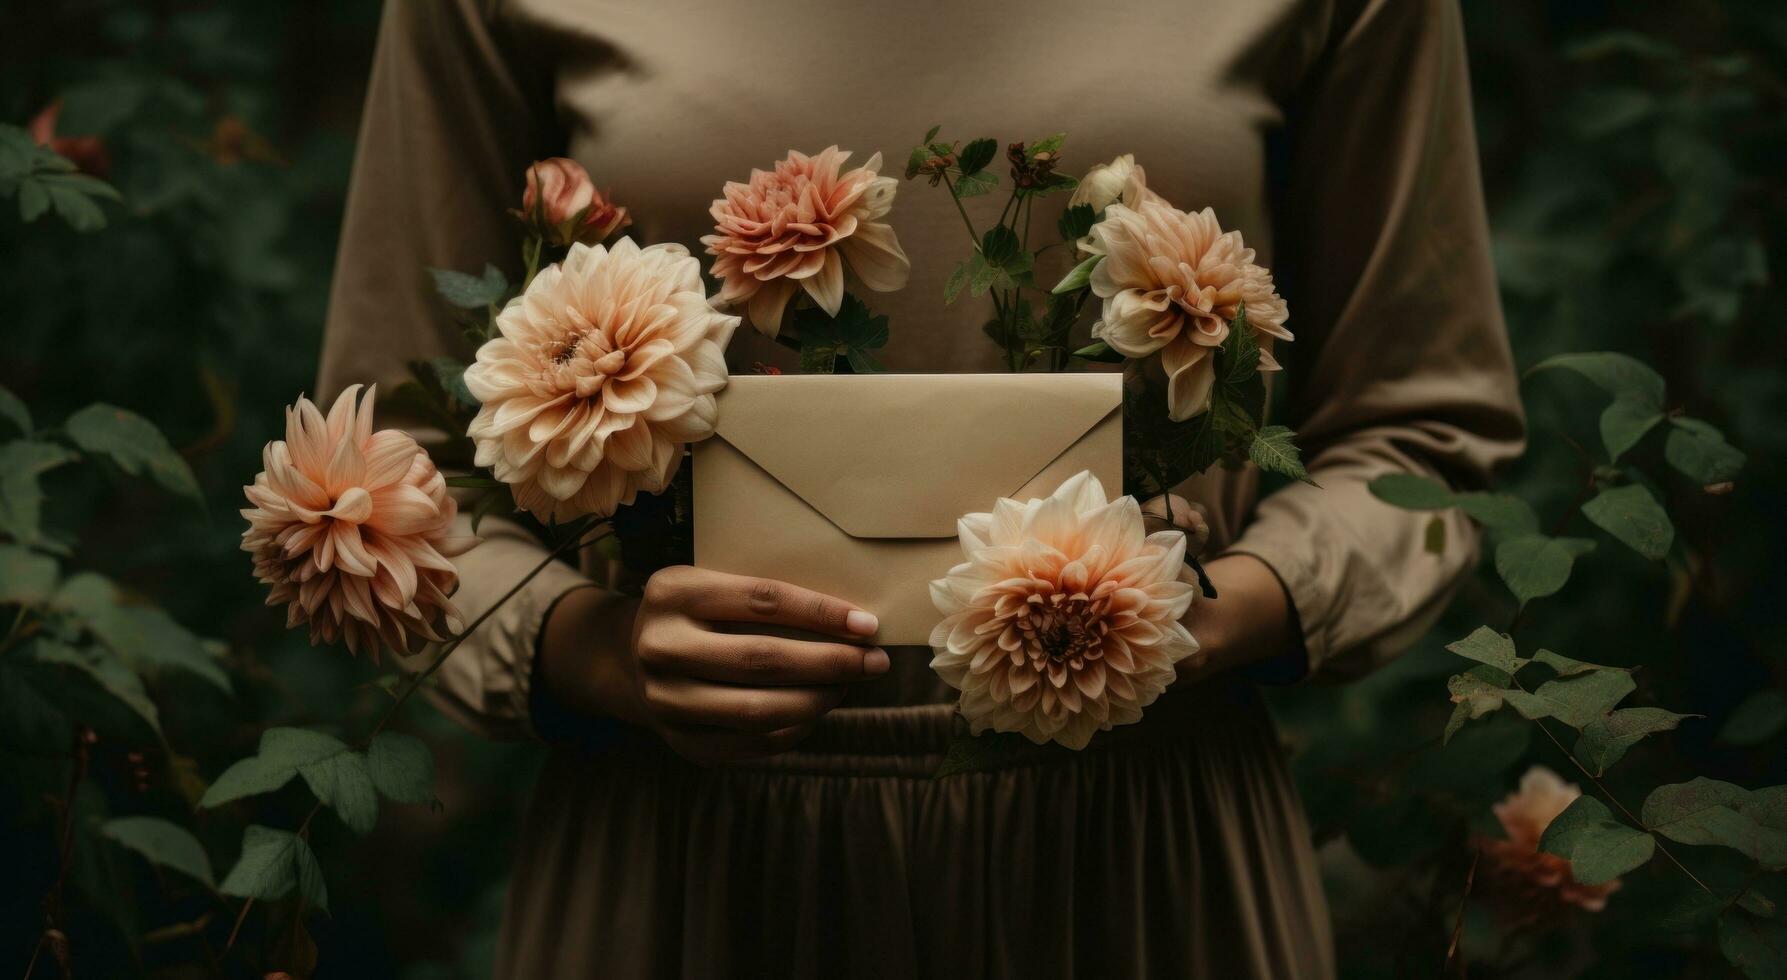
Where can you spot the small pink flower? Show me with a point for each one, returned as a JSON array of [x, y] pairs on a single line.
[[563, 205], [87, 153], [353, 530], [1530, 882], [796, 227], [1064, 619]]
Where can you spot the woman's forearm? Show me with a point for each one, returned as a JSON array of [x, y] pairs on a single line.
[[585, 647], [1250, 620]]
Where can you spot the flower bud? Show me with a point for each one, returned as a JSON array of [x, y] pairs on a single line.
[[562, 205]]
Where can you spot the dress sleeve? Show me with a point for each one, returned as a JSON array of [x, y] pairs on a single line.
[[1401, 363], [451, 122]]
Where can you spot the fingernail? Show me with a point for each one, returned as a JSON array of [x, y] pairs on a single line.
[[862, 622], [875, 662]]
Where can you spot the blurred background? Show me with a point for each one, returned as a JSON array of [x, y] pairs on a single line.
[[1633, 156]]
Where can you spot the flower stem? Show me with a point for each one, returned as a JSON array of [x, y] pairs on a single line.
[[530, 253], [575, 540], [972, 235]]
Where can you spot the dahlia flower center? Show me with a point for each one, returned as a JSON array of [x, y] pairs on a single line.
[[1061, 629]]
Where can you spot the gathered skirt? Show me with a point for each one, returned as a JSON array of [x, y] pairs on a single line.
[[1175, 847]]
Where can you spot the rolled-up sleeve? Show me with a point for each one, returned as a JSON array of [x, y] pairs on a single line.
[[1402, 362], [452, 120]]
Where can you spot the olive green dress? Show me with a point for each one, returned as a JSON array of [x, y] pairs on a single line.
[[1336, 136]]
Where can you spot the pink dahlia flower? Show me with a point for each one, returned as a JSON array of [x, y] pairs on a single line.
[[604, 368], [1172, 283], [1064, 619], [1531, 882], [353, 530], [796, 227]]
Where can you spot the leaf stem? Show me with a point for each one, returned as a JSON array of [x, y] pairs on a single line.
[[972, 235]]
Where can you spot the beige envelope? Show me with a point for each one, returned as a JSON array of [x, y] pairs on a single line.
[[852, 484]]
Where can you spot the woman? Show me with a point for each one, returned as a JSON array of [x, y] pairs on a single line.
[[775, 817]]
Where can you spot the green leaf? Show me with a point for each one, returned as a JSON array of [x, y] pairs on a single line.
[[1411, 492], [1486, 646], [1634, 518], [14, 411], [1273, 451], [1624, 422], [1535, 566], [1076, 222], [1499, 512], [1619, 375], [976, 154], [163, 843], [449, 375], [1099, 351], [957, 280], [1576, 701], [21, 498], [135, 444], [1564, 666], [106, 671], [1048, 144], [144, 635], [931, 134], [26, 577], [1757, 720], [974, 185], [470, 292], [1604, 741], [272, 863], [1479, 691], [852, 334], [1078, 277], [1598, 847], [1700, 452], [402, 767], [1433, 539], [1757, 947], [1000, 245], [342, 782], [283, 752], [1710, 812]]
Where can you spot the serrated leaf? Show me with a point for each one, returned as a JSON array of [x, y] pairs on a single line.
[[282, 753], [26, 577], [1411, 491], [976, 154], [1078, 277], [402, 767], [1575, 700], [1598, 847], [1624, 422], [1076, 222], [1757, 720], [1634, 518], [163, 843], [272, 863], [135, 445], [1700, 452], [1619, 375], [976, 184], [13, 410], [1535, 566], [1486, 646], [1273, 450], [1604, 741]]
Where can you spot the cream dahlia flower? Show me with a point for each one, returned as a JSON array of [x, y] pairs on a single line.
[[604, 368], [1172, 283], [1122, 181], [1064, 619], [1532, 883], [351, 528], [796, 227]]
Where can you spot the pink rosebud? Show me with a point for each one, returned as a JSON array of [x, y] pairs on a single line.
[[564, 207]]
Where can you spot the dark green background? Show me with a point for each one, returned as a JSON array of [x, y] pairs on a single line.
[[1632, 153]]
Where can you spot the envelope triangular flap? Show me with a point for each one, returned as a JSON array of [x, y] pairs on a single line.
[[904, 456]]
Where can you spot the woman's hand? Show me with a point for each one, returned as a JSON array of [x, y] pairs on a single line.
[[712, 694], [1250, 620]]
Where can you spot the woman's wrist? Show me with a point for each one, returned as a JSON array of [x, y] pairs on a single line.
[[585, 654], [1250, 621]]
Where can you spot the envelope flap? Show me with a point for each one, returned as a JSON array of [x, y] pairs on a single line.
[[904, 456]]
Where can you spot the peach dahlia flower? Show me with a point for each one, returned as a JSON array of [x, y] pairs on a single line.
[[1064, 619], [1122, 181], [1533, 882], [796, 227], [352, 529], [603, 369], [1171, 283]]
